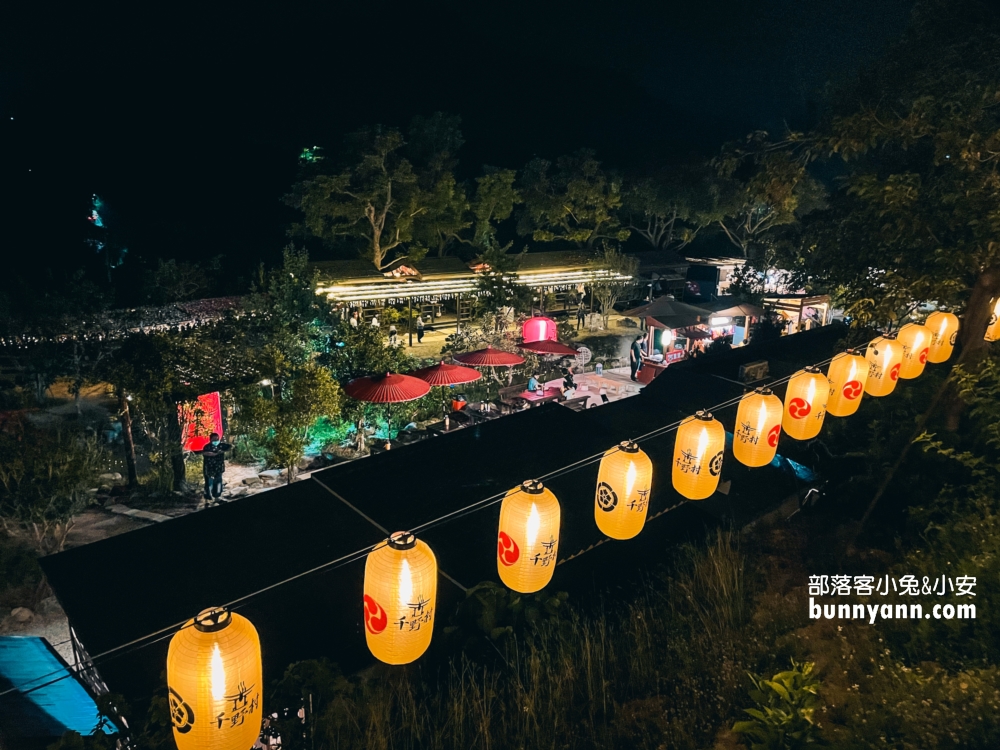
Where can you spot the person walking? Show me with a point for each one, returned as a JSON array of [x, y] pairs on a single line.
[[392, 335], [375, 321], [635, 357], [214, 465], [420, 328], [581, 316]]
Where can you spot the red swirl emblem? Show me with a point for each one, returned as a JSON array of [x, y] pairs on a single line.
[[923, 356], [798, 408], [852, 389], [772, 436], [376, 618], [894, 372], [507, 549]]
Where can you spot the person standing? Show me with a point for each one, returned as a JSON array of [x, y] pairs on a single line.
[[581, 316], [375, 321], [354, 319], [214, 465], [635, 356], [392, 335], [420, 328]]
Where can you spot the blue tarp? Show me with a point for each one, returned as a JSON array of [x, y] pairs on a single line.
[[787, 465], [42, 705]]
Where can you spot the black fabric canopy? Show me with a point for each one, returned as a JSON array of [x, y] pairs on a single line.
[[124, 587]]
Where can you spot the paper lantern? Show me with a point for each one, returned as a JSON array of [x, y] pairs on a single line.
[[399, 599], [993, 328], [944, 333], [528, 539], [885, 359], [623, 484], [916, 342], [805, 404], [847, 374], [758, 427], [539, 329], [698, 456], [215, 682]]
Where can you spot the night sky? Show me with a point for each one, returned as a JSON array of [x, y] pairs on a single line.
[[188, 122]]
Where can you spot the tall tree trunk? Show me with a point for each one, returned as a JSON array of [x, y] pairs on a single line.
[[972, 345], [126, 417], [173, 447]]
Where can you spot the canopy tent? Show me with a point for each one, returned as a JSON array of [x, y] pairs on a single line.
[[670, 313], [741, 309]]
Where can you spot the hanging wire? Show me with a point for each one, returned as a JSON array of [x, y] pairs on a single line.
[[163, 633]]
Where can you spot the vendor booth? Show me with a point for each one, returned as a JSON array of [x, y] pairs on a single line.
[[672, 328], [800, 312]]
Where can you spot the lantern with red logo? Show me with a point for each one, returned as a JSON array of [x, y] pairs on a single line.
[[758, 427], [944, 333], [215, 682], [400, 596], [916, 342], [885, 359], [805, 404], [993, 327], [528, 538], [698, 452], [847, 374], [623, 485]]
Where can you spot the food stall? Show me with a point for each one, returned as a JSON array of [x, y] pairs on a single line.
[[671, 328]]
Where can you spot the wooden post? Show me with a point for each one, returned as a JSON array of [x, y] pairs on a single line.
[[409, 318], [126, 418], [458, 311]]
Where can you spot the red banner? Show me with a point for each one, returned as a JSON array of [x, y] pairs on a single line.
[[199, 419]]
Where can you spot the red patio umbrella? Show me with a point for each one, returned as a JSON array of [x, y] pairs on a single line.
[[548, 347], [390, 388], [443, 374], [489, 357]]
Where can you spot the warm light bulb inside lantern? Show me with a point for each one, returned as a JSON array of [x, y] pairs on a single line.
[[630, 479], [702, 444], [405, 584], [217, 671], [534, 523], [762, 417]]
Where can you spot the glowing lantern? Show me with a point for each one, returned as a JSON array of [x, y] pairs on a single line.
[[916, 342], [944, 333], [993, 329], [528, 539], [215, 682], [399, 599], [539, 329], [623, 484], [805, 404], [885, 359], [698, 456], [848, 374], [758, 427]]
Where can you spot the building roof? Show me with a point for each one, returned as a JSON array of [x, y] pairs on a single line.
[[163, 574], [52, 707]]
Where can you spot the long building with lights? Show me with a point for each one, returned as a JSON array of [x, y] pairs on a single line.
[[357, 283]]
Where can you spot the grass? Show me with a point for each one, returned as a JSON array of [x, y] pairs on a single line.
[[636, 675]]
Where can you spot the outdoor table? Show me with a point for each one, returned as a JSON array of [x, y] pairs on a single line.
[[438, 427], [533, 397]]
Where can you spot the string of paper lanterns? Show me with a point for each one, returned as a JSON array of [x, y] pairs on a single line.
[[214, 665]]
